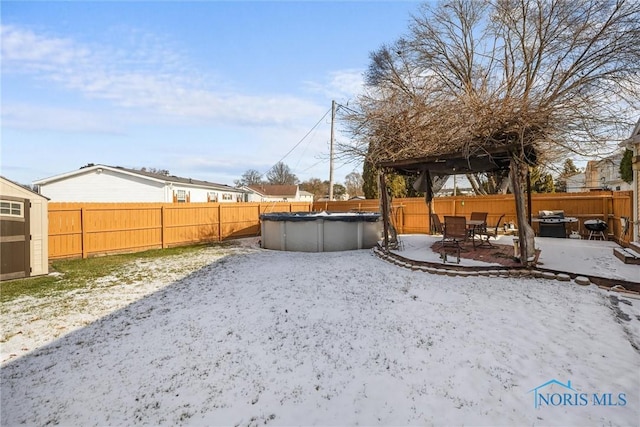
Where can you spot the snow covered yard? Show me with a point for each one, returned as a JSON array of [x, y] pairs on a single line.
[[264, 337]]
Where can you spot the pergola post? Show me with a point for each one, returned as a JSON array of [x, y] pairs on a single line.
[[526, 235], [384, 208]]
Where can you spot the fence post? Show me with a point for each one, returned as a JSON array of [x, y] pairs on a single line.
[[163, 227], [219, 222], [605, 211], [84, 233]]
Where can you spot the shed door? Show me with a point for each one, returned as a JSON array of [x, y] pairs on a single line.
[[14, 238]]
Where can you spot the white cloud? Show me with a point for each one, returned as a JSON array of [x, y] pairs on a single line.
[[141, 86], [147, 75], [29, 49], [340, 85], [24, 116]]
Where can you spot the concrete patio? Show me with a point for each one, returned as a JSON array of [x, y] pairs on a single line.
[[593, 258]]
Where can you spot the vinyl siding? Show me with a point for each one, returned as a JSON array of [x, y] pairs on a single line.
[[106, 186]]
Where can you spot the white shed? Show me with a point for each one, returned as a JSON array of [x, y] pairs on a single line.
[[24, 240]]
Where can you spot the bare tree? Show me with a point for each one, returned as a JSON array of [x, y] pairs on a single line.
[[568, 169], [553, 75], [316, 187], [353, 183], [250, 177], [281, 174]]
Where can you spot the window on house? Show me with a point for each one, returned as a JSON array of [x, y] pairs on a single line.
[[181, 196], [10, 208], [213, 196], [227, 196]]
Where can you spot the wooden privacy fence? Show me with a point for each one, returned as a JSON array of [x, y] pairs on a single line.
[[86, 229], [410, 215]]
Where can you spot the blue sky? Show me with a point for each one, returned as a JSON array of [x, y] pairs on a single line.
[[204, 89]]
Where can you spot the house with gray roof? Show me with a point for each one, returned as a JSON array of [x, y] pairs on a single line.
[[277, 193], [103, 183]]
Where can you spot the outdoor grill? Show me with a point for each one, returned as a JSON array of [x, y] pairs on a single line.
[[552, 224], [596, 228]]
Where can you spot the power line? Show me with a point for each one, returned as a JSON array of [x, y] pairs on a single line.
[[299, 142]]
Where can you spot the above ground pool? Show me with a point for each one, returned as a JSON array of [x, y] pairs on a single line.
[[320, 231]]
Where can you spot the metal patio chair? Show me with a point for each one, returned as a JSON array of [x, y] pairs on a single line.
[[454, 232], [489, 233]]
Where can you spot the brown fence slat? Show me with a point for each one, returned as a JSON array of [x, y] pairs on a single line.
[[77, 229]]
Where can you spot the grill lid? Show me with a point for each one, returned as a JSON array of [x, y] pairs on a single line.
[[595, 225]]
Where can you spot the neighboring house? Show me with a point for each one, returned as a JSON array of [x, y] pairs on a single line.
[[336, 198], [576, 183], [605, 174], [101, 183], [305, 196], [24, 243], [633, 144], [599, 175], [276, 193]]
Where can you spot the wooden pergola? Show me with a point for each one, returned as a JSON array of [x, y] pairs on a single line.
[[453, 163]]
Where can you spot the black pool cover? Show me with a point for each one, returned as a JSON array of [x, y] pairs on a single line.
[[326, 216]]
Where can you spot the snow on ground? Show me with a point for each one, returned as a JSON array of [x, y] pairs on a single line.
[[28, 323], [586, 257], [344, 338]]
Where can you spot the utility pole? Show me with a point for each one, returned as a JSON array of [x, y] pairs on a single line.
[[333, 116]]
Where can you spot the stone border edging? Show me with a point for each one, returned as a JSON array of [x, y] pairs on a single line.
[[501, 271]]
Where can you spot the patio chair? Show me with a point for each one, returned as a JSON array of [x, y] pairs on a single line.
[[455, 231], [488, 234], [479, 216]]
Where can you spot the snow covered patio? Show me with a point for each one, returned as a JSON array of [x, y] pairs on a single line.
[[337, 338], [582, 257]]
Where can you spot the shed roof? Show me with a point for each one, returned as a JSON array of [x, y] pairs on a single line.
[[19, 188]]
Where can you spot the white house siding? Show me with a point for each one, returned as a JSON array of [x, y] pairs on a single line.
[[276, 195], [201, 195], [606, 174], [305, 196], [254, 197], [104, 186], [633, 144], [576, 183]]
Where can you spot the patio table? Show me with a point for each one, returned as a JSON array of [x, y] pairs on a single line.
[[475, 225]]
